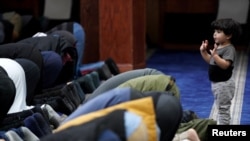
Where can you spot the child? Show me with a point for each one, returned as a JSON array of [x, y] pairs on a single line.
[[221, 60]]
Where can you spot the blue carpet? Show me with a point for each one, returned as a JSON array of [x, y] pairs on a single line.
[[245, 109], [190, 71]]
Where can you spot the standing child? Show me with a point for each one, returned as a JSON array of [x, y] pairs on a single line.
[[221, 60]]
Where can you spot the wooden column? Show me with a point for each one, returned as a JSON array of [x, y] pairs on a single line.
[[122, 32], [89, 18], [116, 29]]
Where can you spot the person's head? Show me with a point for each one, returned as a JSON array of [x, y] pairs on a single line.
[[52, 67], [7, 92], [226, 31], [168, 112]]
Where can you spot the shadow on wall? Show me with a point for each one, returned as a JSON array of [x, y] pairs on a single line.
[[187, 28], [193, 28]]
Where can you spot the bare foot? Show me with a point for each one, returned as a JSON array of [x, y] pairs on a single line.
[[192, 135], [189, 135]]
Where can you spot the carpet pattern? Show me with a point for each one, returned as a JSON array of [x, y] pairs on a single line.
[[190, 71]]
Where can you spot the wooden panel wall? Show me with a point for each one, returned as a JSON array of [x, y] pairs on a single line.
[[31, 6], [122, 32], [191, 6], [184, 23], [89, 18], [116, 29]]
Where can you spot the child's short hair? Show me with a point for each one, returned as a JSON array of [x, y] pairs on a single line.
[[229, 27]]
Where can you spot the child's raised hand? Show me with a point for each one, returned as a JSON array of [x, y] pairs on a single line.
[[213, 51], [204, 45]]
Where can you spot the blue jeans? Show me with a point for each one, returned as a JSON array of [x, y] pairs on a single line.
[[79, 34]]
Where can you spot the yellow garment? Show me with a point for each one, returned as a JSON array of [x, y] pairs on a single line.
[[143, 107], [139, 133]]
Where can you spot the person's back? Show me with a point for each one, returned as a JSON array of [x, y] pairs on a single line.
[[160, 82], [116, 80], [17, 75], [21, 50]]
